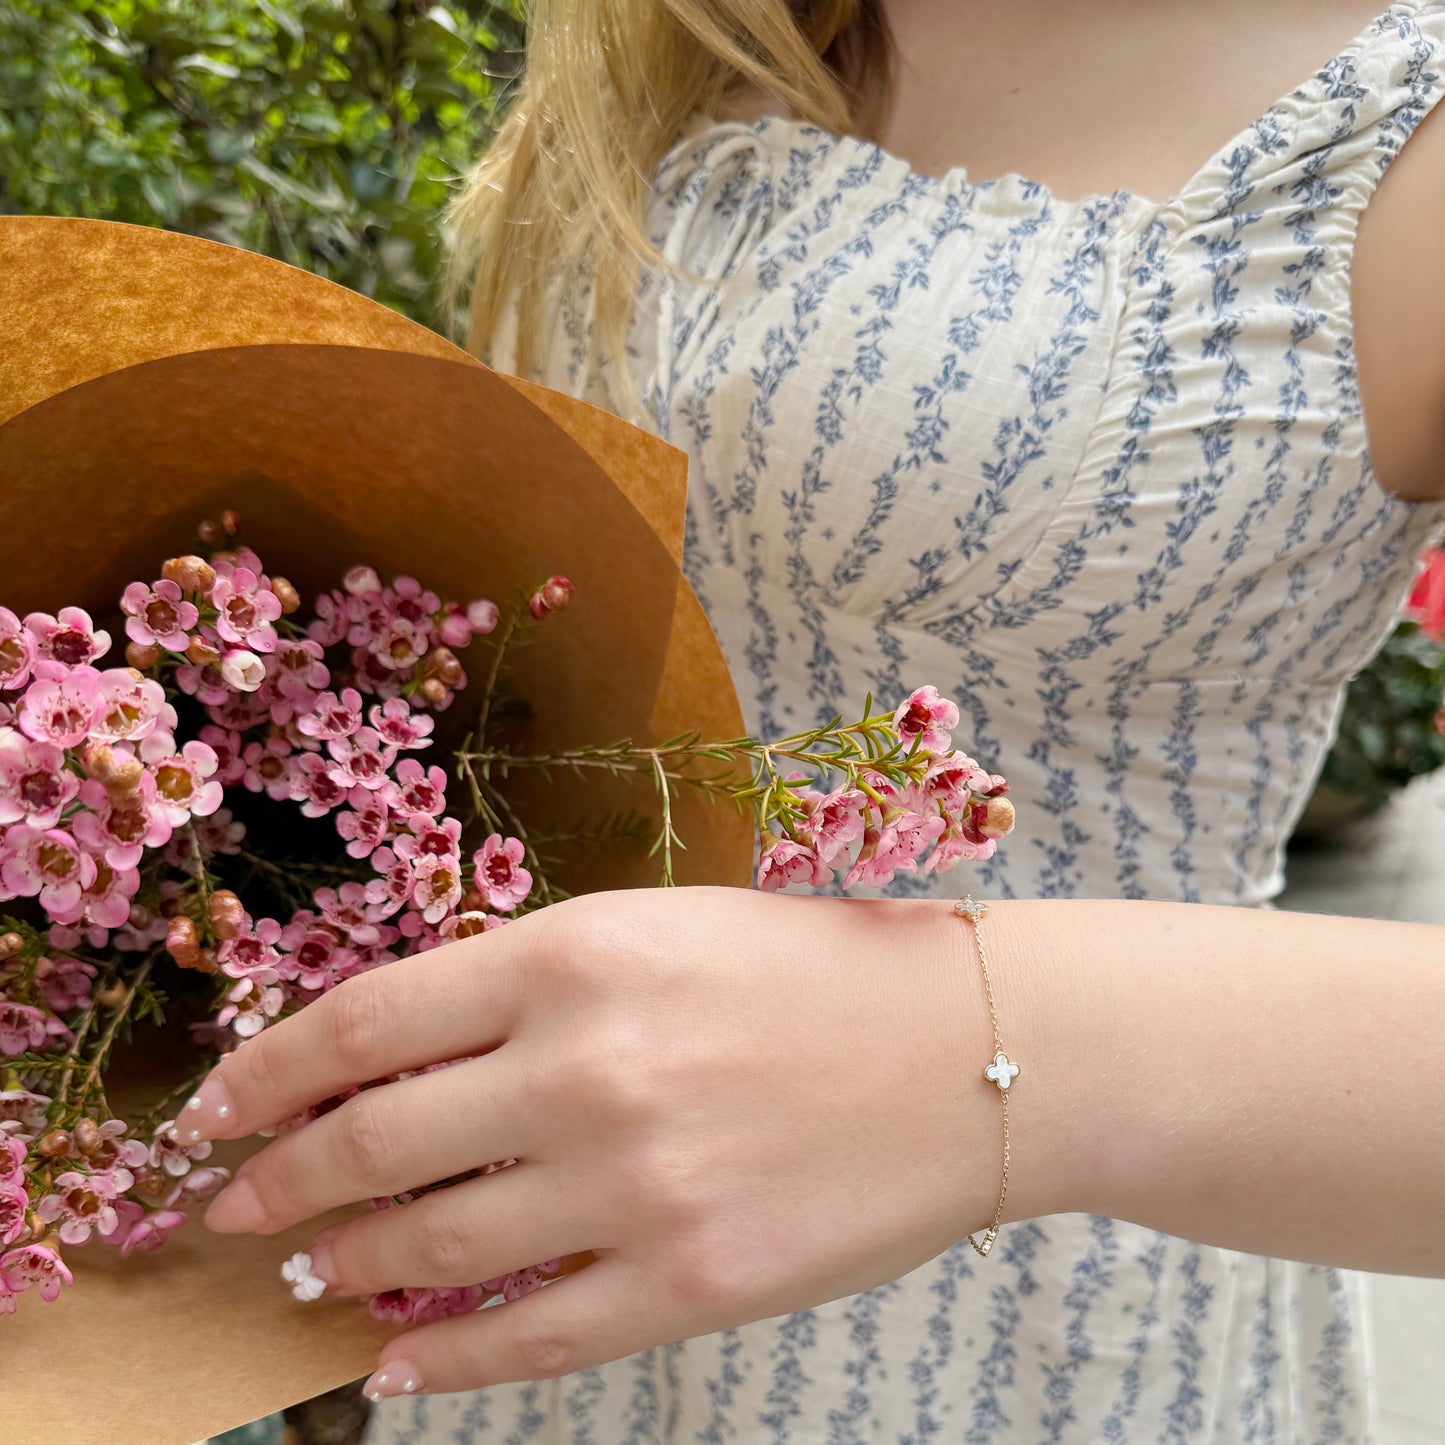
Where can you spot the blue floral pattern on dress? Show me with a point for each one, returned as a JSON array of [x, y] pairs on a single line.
[[1098, 470]]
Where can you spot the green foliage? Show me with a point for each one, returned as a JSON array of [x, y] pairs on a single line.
[[1388, 732], [328, 133]]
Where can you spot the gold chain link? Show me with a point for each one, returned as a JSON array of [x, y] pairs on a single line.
[[974, 912]]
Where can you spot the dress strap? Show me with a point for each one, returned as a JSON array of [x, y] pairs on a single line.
[[1338, 130]]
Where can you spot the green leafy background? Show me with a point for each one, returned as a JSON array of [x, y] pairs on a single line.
[[328, 133]]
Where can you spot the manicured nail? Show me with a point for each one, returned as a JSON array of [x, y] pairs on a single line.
[[396, 1377], [236, 1209], [206, 1112], [323, 1266]]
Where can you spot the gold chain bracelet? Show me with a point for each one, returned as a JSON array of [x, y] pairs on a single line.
[[1002, 1071]]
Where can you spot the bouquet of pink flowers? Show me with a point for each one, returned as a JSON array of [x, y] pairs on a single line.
[[251, 809]]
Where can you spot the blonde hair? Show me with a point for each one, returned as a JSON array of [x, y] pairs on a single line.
[[608, 87]]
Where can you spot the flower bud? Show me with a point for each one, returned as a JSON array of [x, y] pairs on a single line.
[[361, 580], [87, 1137], [552, 596], [190, 573], [112, 995], [997, 818], [243, 670], [181, 941], [483, 615], [230, 523], [202, 652], [286, 594], [118, 773], [210, 532], [10, 945], [441, 662], [225, 914], [142, 656], [434, 691], [54, 1145]]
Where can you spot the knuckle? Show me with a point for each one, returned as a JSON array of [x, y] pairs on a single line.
[[444, 1250], [260, 1081], [614, 1074], [545, 1352], [367, 1146], [355, 1022], [279, 1180], [702, 1276]]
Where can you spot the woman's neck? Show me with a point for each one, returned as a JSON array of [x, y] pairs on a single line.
[[1088, 97]]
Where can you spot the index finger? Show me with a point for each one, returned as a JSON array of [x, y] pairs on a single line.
[[450, 1002]]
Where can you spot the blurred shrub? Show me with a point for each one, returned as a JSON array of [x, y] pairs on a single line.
[[328, 133]]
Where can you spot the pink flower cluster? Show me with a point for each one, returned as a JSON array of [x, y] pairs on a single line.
[[955, 811], [111, 822]]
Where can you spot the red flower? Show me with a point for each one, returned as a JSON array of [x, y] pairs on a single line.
[[1426, 604]]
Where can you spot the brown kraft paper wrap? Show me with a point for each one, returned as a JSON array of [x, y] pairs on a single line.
[[148, 380]]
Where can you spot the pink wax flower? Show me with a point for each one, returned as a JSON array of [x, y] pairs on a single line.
[[137, 1230], [392, 889], [17, 651], [226, 744], [106, 902], [929, 718], [245, 610], [483, 615], [239, 711], [12, 1163], [267, 768], [252, 952], [784, 861], [953, 847], [196, 1187], [218, 833], [400, 724], [437, 885], [184, 786], [13, 1203], [119, 830], [552, 596], [498, 873], [65, 983], [34, 1266], [44, 863], [360, 581], [81, 1203], [20, 1106], [130, 708], [949, 780], [158, 615], [317, 791], [297, 668], [332, 716], [170, 1155], [1426, 604], [347, 910], [416, 789], [834, 822], [401, 644], [70, 638], [35, 784], [242, 670], [115, 1153], [249, 1007], [332, 621], [60, 704], [26, 1029], [443, 1303], [361, 760], [316, 957]]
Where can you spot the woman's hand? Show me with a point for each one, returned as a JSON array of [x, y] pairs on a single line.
[[742, 1104]]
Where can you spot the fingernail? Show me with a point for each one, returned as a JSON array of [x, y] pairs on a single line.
[[323, 1266], [236, 1209], [206, 1112], [396, 1377]]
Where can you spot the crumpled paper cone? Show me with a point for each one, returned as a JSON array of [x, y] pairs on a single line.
[[148, 380]]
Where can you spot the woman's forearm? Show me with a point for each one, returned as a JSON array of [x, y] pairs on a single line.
[[1265, 1081]]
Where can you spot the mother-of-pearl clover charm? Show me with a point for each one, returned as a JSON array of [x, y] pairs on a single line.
[[1001, 1071]]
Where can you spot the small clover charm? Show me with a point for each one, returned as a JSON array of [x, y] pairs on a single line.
[[1001, 1071], [970, 909]]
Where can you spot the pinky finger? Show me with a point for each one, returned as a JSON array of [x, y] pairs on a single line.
[[604, 1311]]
